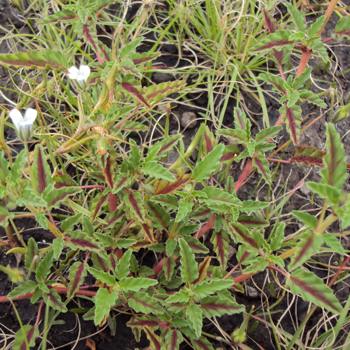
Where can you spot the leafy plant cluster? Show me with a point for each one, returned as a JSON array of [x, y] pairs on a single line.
[[171, 243]]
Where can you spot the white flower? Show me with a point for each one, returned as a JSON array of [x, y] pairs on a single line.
[[23, 124], [80, 74]]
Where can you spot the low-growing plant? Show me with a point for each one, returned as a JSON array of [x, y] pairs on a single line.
[[157, 227]]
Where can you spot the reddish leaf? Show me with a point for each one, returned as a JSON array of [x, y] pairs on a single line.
[[243, 177], [135, 205], [107, 173], [243, 234], [29, 337], [153, 338], [268, 22], [275, 43], [208, 143], [220, 248], [132, 90], [82, 243], [203, 269], [292, 126], [206, 227], [77, 279], [112, 202], [173, 186], [228, 156]]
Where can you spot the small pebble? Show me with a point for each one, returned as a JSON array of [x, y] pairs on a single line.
[[252, 292], [188, 120]]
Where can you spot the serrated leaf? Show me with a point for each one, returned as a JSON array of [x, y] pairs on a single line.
[[102, 276], [182, 296], [57, 247], [144, 303], [123, 266], [23, 288], [44, 267], [308, 245], [158, 171], [77, 273], [189, 267], [194, 315], [104, 301], [212, 286], [334, 243], [209, 164], [185, 207], [54, 196], [297, 17], [307, 219], [39, 59], [312, 288], [325, 191], [334, 172], [218, 306], [134, 284]]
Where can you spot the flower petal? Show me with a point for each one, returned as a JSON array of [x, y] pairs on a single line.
[[84, 71], [16, 117], [73, 72], [30, 116]]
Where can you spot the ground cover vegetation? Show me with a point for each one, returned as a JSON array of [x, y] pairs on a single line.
[[178, 166]]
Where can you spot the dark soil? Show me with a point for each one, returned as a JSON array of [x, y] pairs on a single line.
[[72, 330]]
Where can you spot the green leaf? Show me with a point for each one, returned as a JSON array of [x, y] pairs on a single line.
[[189, 267], [334, 172], [31, 252], [220, 305], [212, 286], [104, 301], [325, 191], [158, 171], [297, 17], [268, 133], [144, 303], [250, 206], [123, 266], [22, 288], [277, 236], [55, 196], [209, 164], [218, 199], [134, 284], [44, 267], [38, 59], [194, 316], [343, 24], [182, 296], [185, 208], [312, 288], [103, 276], [307, 219], [57, 247], [334, 243]]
